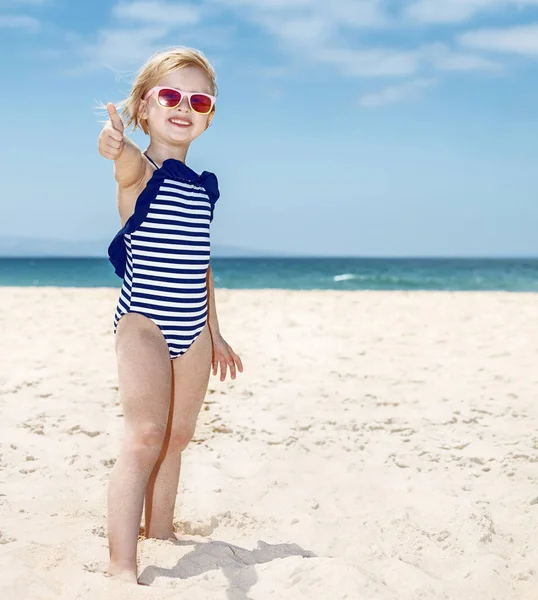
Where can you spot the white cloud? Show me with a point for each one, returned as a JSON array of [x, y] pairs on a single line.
[[458, 61], [144, 27], [387, 62], [375, 62], [300, 32], [446, 11], [408, 90], [443, 58], [319, 42], [458, 11], [335, 35], [29, 24], [158, 13], [355, 13], [269, 5], [522, 39], [123, 48], [316, 31]]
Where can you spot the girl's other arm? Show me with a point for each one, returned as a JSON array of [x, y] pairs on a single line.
[[223, 353], [212, 309]]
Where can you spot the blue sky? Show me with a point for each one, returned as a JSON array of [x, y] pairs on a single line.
[[349, 127]]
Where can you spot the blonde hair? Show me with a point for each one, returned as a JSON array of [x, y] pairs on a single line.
[[158, 66]]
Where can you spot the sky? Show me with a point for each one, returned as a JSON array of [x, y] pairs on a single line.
[[343, 128]]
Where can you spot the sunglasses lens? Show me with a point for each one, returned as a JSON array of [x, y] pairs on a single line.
[[201, 103], [169, 98]]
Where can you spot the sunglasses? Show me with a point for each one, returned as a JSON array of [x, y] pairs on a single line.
[[170, 98]]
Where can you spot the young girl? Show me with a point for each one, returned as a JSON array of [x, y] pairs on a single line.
[[166, 327]]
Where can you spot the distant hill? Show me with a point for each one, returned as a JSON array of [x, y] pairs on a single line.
[[15, 247]]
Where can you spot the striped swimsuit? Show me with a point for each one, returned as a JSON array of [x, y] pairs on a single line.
[[162, 253]]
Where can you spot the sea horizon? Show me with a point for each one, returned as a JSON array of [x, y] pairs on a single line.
[[345, 273]]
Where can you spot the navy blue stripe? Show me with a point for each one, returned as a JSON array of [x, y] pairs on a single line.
[[200, 234], [122, 304], [176, 289], [167, 278], [185, 328], [168, 240], [178, 213], [173, 318], [201, 203], [196, 258], [178, 223], [175, 322], [172, 269], [153, 306], [158, 251], [174, 282], [173, 261], [187, 338], [180, 343], [165, 299]]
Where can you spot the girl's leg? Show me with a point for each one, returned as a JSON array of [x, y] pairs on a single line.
[[145, 379], [190, 378]]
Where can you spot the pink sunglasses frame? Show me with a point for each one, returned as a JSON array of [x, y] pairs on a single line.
[[183, 94]]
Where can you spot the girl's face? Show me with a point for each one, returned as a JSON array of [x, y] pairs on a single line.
[[178, 125]]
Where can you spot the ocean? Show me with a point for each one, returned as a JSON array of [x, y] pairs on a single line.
[[514, 275]]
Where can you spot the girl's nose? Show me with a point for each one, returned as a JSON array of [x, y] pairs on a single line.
[[184, 103]]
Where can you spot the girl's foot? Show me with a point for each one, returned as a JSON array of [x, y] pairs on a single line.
[[122, 574], [182, 537]]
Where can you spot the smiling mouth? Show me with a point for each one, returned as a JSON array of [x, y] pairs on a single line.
[[180, 122]]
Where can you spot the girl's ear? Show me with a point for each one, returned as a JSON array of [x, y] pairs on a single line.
[[143, 110], [210, 118]]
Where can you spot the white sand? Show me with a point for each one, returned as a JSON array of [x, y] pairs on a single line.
[[378, 446]]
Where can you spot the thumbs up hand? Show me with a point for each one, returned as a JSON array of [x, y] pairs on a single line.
[[111, 141]]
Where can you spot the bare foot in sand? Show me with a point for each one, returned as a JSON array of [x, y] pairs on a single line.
[[182, 537], [122, 574]]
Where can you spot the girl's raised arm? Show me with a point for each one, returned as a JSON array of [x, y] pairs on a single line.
[[129, 164]]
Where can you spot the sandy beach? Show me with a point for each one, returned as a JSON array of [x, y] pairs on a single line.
[[379, 445]]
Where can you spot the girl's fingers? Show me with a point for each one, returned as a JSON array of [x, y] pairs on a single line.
[[113, 144], [115, 135], [111, 155], [215, 367], [223, 370], [231, 364], [238, 362]]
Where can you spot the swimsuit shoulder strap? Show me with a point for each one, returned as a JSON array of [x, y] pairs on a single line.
[[151, 161]]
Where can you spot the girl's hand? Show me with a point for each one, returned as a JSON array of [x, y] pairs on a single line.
[[225, 356], [111, 137]]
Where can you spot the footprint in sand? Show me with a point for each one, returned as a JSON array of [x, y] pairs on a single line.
[[34, 427], [99, 532], [78, 429], [5, 539]]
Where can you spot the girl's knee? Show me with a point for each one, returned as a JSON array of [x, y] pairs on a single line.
[[180, 438], [146, 441]]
